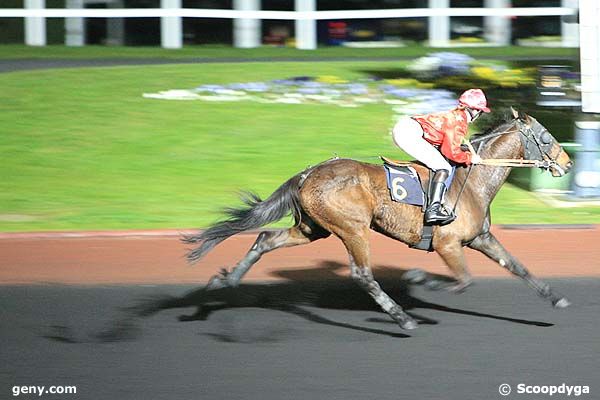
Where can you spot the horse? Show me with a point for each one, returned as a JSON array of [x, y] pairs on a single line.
[[347, 198]]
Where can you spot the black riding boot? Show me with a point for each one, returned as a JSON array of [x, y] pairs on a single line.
[[436, 213]]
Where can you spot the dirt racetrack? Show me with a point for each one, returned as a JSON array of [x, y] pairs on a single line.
[[297, 334], [157, 257]]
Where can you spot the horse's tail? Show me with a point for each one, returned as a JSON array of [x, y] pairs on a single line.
[[257, 213]]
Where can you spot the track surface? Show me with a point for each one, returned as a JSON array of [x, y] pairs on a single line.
[[297, 340], [299, 330], [159, 257]]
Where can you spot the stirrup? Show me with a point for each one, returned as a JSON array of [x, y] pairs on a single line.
[[442, 216], [440, 221]]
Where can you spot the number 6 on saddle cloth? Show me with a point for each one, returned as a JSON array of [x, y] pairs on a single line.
[[405, 184]]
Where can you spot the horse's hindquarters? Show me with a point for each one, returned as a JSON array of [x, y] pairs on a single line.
[[348, 197]]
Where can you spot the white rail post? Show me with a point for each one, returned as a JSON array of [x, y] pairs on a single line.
[[35, 27], [587, 163], [569, 31], [74, 26], [115, 27], [247, 32], [306, 29], [589, 28], [439, 26], [497, 29], [170, 27]]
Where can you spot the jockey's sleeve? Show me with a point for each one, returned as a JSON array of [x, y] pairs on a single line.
[[450, 147]]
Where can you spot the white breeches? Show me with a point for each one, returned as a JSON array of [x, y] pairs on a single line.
[[408, 135]]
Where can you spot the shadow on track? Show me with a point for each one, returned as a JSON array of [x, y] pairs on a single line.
[[319, 287]]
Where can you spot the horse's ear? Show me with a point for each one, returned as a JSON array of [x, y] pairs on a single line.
[[519, 115]]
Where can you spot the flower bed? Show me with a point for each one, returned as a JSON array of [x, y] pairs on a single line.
[[459, 71], [426, 85], [406, 96]]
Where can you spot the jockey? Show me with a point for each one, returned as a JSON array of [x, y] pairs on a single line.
[[433, 139]]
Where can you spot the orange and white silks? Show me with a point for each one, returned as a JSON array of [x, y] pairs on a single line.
[[447, 130]]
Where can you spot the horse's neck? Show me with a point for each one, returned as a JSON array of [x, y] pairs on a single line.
[[505, 145], [487, 180]]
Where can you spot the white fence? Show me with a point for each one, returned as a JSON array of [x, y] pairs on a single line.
[[285, 15], [305, 16]]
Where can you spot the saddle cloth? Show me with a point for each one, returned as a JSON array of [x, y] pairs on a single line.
[[405, 185]]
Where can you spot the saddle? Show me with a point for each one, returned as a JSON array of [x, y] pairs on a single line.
[[395, 163], [406, 186]]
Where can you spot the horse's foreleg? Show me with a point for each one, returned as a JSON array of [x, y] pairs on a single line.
[[491, 247], [358, 250], [266, 241]]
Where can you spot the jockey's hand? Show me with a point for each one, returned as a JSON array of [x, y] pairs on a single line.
[[475, 159]]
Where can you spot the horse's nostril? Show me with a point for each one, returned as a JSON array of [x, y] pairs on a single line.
[[569, 165]]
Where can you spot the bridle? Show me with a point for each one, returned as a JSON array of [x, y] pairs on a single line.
[[543, 143], [537, 146]]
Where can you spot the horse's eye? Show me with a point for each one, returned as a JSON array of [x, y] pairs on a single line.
[[546, 138]]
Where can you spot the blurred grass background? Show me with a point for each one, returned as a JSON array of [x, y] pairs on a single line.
[[220, 51], [82, 149]]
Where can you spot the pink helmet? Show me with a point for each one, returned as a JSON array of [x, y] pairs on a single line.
[[475, 99]]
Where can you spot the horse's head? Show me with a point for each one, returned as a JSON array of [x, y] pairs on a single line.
[[540, 145]]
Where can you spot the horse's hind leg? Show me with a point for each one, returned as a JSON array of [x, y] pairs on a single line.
[[358, 249], [266, 241], [491, 247]]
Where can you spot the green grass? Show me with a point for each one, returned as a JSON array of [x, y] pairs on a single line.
[[21, 51], [81, 149]]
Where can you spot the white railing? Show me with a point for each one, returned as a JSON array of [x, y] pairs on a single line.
[[305, 17], [284, 15]]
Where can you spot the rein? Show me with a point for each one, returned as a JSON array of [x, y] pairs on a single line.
[[462, 188], [507, 162], [514, 162]]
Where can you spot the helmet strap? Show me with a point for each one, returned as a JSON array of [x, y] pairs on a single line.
[[473, 113]]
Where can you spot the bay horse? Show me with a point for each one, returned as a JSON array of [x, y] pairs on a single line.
[[347, 198]]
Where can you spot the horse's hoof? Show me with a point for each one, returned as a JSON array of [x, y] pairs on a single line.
[[199, 315], [449, 286], [561, 303], [186, 318], [216, 282], [415, 276], [460, 287], [409, 324], [436, 284]]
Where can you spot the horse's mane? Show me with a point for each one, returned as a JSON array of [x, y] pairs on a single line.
[[490, 125]]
